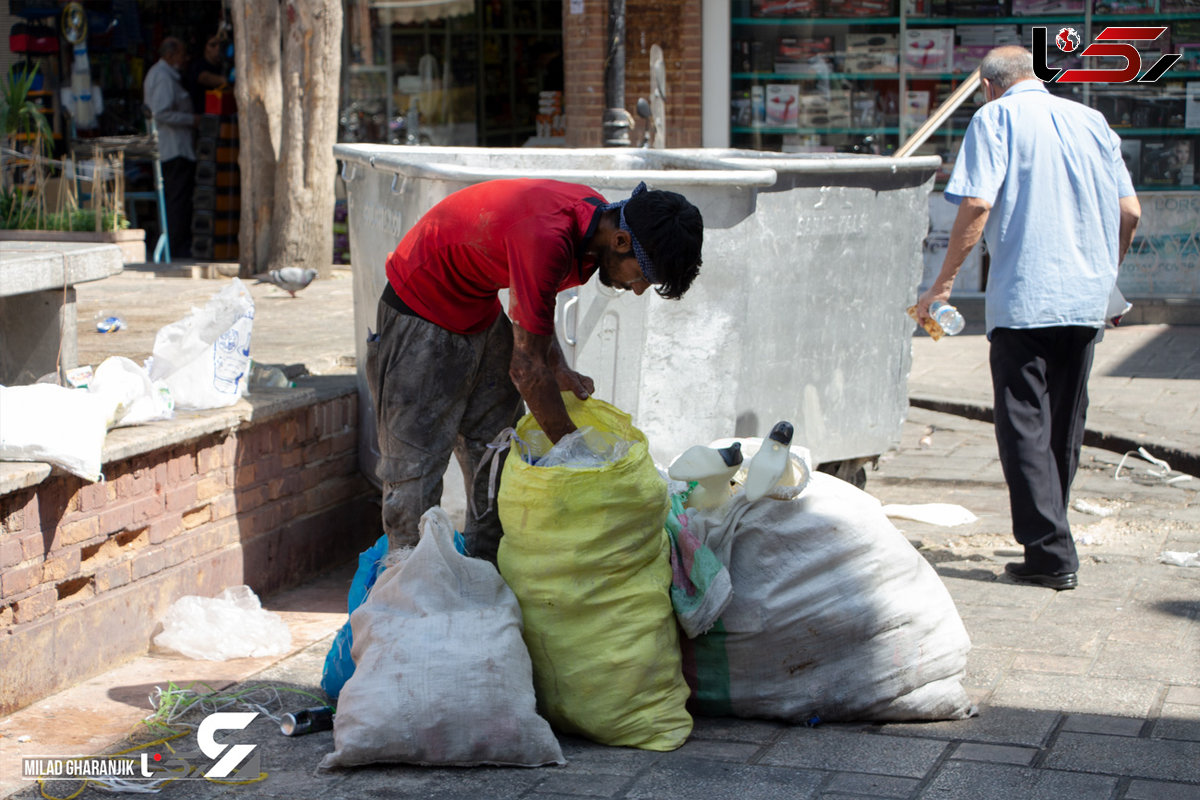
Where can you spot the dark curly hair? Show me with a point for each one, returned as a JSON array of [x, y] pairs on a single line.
[[671, 231]]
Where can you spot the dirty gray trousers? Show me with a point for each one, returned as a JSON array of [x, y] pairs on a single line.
[[437, 392]]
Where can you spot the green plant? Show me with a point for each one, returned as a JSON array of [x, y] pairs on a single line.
[[19, 114]]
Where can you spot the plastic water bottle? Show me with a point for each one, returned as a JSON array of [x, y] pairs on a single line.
[[948, 317]]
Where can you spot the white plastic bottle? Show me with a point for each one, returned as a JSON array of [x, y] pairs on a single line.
[[770, 462], [948, 317]]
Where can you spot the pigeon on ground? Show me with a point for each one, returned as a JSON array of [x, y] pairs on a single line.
[[290, 279]]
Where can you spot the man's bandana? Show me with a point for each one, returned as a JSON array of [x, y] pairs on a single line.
[[644, 262]]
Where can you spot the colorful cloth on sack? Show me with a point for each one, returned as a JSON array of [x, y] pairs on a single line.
[[700, 584]]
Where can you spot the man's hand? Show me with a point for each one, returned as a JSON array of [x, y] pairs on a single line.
[[964, 234], [571, 381]]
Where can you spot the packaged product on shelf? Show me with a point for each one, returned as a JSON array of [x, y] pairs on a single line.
[[796, 55], [929, 49], [970, 8], [1168, 162], [916, 107], [783, 104], [785, 8], [739, 108], [758, 106], [858, 8], [870, 52], [1189, 60], [1030, 8], [863, 110], [1124, 6]]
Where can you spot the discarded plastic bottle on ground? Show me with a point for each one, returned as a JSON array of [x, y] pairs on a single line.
[[308, 720], [110, 323], [948, 317], [262, 376]]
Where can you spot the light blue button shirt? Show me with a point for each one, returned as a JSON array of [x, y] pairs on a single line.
[[172, 107], [1052, 171]]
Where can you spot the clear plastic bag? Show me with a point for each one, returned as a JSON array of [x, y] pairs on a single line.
[[585, 448], [231, 625]]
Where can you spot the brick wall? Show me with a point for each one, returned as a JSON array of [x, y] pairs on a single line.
[[675, 26], [87, 569]]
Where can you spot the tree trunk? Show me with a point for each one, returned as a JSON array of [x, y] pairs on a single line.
[[259, 101], [288, 64], [302, 231]]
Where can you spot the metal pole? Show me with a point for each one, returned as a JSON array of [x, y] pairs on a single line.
[[617, 121]]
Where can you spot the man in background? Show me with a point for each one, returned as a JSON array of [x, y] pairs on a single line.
[[1042, 179], [176, 120]]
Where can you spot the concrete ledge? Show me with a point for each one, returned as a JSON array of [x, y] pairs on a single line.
[[28, 266]]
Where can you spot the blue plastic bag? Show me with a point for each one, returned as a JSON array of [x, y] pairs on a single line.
[[339, 665]]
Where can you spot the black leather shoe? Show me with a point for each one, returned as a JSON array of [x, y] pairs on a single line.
[[1023, 573]]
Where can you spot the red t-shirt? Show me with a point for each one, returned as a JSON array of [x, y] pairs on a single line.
[[523, 235]]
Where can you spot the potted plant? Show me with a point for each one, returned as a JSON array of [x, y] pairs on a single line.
[[27, 172]]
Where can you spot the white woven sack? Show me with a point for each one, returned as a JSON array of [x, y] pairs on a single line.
[[442, 676], [834, 615]]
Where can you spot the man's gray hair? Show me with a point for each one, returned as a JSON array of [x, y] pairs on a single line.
[[1004, 66], [171, 46]]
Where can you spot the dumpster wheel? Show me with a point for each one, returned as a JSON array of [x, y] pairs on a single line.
[[852, 470]]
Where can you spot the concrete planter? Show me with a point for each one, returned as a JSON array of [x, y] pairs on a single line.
[[132, 241]]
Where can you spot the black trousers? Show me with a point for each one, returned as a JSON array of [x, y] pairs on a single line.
[[1039, 380], [179, 179]]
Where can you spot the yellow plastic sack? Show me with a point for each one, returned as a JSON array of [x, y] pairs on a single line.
[[585, 552]]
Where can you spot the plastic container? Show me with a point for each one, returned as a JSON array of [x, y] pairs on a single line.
[[770, 462], [264, 377], [108, 323], [948, 317]]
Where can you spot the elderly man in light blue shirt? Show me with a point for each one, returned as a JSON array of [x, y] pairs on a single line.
[[171, 104], [1042, 180]]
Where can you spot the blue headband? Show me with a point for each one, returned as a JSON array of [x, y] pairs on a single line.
[[644, 262]]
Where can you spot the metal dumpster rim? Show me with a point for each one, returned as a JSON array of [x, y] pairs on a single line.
[[693, 170]]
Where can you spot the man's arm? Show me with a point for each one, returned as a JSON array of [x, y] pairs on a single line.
[[964, 234], [539, 372], [1131, 213]]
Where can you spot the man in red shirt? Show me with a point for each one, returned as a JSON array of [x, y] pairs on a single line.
[[447, 369]]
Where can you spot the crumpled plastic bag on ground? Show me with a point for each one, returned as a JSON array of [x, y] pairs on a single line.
[[231, 625], [1180, 559]]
